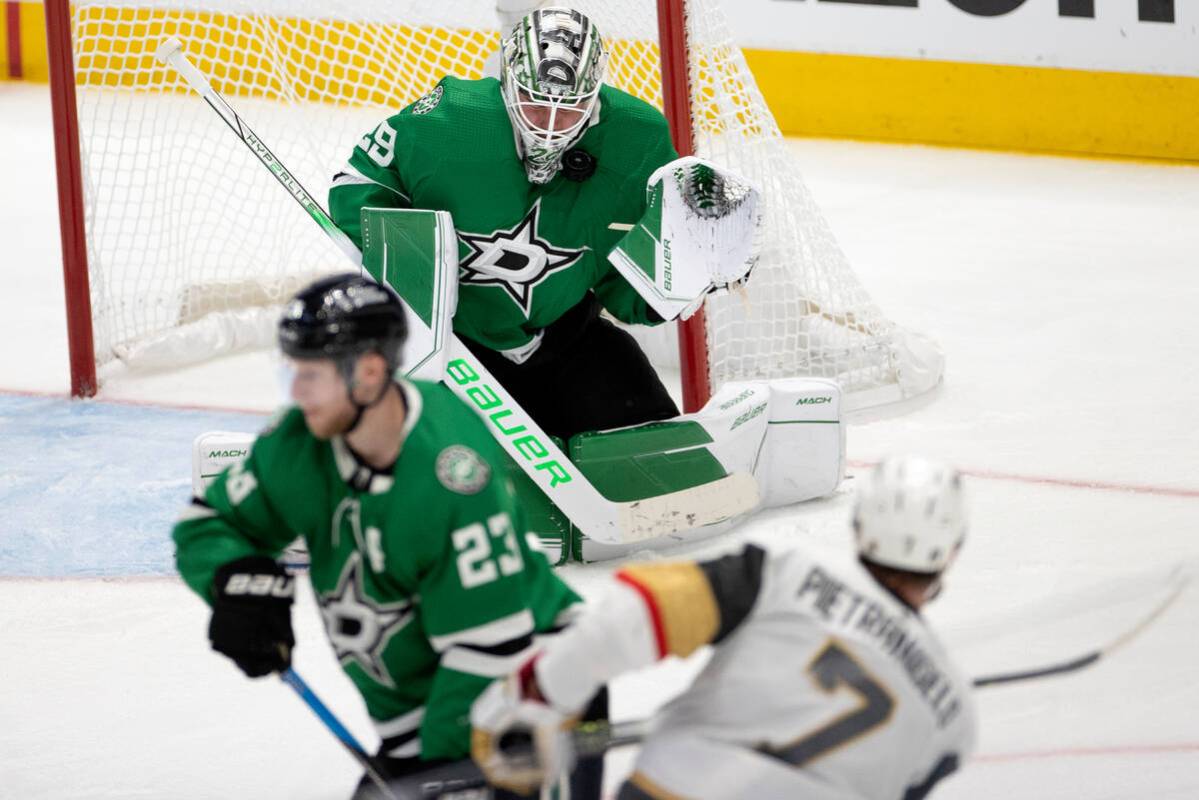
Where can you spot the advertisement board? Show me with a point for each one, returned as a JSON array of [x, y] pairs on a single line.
[[1146, 36]]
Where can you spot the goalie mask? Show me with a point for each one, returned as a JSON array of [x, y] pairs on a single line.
[[553, 65]]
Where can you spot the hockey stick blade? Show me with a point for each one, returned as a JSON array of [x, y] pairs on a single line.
[[1092, 657], [706, 504]]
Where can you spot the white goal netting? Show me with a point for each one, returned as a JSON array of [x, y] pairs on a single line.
[[191, 242]]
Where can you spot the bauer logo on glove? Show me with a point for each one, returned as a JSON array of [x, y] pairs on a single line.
[[262, 585], [698, 235], [251, 615]]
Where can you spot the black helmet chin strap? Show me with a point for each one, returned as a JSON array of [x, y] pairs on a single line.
[[347, 372], [360, 408]]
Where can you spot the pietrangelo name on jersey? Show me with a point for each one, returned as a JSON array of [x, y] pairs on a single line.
[[839, 605]]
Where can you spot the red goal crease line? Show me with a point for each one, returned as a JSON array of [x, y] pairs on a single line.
[[164, 405], [1070, 483]]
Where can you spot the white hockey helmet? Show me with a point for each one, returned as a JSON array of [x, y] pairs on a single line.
[[910, 514], [552, 66]]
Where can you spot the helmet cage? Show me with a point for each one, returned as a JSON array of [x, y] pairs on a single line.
[[553, 66], [547, 125]]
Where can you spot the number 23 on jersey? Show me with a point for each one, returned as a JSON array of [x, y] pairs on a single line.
[[486, 552]]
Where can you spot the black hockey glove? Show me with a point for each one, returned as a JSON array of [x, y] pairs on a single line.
[[251, 615]]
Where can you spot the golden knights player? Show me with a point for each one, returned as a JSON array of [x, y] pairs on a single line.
[[533, 168], [419, 559], [825, 683]]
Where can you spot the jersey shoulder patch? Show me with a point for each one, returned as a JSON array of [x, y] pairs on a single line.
[[462, 470], [429, 102]]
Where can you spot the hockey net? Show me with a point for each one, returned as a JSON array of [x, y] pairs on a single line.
[[191, 245]]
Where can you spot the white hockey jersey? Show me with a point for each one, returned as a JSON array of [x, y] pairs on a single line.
[[823, 685]]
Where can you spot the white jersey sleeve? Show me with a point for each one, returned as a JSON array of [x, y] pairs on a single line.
[[830, 688]]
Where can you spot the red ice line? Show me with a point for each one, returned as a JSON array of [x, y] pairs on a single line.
[[1131, 750], [1071, 483], [119, 401], [1083, 752]]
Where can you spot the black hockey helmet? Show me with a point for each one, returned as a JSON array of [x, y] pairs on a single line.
[[342, 317]]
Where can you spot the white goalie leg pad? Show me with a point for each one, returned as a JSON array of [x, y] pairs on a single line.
[[803, 456], [212, 452], [787, 433]]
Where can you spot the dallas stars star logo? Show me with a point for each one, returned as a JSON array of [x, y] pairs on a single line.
[[359, 627], [516, 259]]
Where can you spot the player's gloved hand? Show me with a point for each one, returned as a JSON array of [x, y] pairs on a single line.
[[517, 740], [251, 615]]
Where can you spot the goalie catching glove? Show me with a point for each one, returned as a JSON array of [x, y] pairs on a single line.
[[698, 235], [517, 739]]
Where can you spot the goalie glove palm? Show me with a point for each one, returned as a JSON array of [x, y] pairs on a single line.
[[251, 615], [699, 234]]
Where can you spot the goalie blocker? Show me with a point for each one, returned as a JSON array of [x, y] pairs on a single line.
[[754, 445]]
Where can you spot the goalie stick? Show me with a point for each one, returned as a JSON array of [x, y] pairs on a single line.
[[599, 518]]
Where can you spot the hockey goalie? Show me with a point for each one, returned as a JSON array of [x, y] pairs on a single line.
[[515, 216]]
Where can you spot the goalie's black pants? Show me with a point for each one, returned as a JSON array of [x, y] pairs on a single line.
[[587, 375]]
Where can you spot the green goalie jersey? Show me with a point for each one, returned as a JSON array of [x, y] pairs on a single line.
[[527, 252], [426, 582]]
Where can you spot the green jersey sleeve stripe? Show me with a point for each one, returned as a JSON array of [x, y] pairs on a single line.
[[490, 634], [351, 176], [404, 746], [195, 510], [568, 615], [477, 662], [409, 721]]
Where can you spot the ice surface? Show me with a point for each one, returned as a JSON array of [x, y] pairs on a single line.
[[1064, 293]]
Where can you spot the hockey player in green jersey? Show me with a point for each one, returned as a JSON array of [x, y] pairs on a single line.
[[419, 560], [534, 168]]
